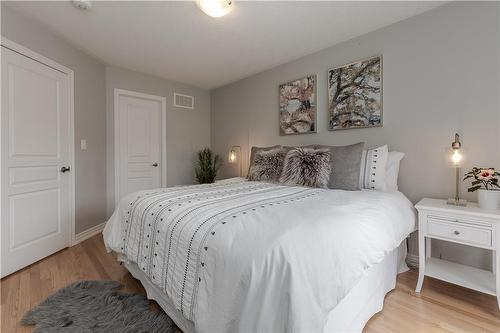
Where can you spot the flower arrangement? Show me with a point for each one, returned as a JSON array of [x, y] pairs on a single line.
[[486, 178]]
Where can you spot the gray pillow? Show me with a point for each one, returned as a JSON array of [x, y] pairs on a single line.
[[306, 167], [345, 162], [267, 165], [254, 151]]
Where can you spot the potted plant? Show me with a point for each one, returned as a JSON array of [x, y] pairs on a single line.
[[485, 181], [208, 165]]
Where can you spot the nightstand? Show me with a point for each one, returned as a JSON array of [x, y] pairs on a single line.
[[468, 225]]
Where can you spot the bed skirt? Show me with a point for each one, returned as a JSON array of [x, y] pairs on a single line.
[[364, 300]]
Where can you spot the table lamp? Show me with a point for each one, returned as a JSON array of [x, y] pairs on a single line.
[[456, 157]]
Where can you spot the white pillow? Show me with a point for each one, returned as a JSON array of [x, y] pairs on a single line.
[[392, 170], [373, 168]]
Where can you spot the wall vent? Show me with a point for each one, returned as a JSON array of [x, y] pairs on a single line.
[[183, 101]]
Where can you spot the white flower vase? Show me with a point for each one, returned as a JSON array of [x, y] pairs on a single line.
[[488, 199]]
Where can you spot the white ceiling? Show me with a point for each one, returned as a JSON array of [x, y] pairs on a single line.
[[175, 40]]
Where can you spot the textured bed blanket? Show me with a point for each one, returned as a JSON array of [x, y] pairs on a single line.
[[241, 256]]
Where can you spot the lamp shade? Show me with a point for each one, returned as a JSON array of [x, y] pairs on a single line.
[[455, 157], [455, 153], [232, 157]]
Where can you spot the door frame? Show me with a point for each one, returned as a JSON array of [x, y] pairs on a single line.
[[24, 51], [163, 135]]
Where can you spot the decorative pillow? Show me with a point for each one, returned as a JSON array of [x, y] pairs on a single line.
[[373, 166], [306, 167], [267, 165], [253, 152], [345, 162], [392, 170]]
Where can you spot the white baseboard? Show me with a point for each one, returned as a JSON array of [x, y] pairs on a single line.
[[412, 260], [80, 237]]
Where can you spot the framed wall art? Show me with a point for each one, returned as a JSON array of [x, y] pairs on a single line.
[[355, 95], [297, 113]]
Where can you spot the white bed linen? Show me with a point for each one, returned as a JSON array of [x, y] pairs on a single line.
[[282, 266], [366, 298], [351, 314]]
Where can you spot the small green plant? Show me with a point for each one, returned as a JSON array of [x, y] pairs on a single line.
[[486, 178], [208, 165]]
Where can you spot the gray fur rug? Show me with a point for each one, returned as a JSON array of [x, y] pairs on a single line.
[[97, 306]]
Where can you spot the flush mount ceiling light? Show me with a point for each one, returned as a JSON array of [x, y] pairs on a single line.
[[215, 8]]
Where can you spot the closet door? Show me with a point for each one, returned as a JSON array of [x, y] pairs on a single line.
[[35, 156]]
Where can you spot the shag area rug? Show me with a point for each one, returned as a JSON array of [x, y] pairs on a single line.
[[97, 306]]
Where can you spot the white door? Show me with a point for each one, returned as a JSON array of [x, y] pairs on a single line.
[[35, 145], [139, 147]]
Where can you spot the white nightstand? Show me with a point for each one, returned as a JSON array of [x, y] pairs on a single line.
[[468, 225]]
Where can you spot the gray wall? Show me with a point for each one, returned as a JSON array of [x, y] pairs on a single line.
[[187, 130], [441, 76], [90, 115]]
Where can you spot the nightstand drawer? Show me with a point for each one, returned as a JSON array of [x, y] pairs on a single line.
[[456, 231]]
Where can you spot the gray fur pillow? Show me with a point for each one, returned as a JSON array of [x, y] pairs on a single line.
[[267, 165], [306, 167], [254, 152]]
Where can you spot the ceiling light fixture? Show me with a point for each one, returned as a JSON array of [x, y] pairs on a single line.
[[215, 8]]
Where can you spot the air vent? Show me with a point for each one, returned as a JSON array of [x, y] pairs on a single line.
[[183, 101]]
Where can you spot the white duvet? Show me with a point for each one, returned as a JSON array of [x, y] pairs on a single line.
[[241, 256]]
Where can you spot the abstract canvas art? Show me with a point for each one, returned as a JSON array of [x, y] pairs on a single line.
[[355, 95], [298, 106]]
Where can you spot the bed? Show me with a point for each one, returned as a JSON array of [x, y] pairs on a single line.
[[243, 256]]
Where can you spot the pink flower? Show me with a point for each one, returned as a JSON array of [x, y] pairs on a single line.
[[486, 174]]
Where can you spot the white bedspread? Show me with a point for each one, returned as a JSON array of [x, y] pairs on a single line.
[[240, 256]]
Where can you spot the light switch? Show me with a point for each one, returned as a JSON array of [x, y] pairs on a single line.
[[83, 144]]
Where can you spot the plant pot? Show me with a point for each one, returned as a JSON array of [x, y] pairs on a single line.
[[488, 199]]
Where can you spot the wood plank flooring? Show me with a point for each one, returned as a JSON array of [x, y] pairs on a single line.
[[441, 307]]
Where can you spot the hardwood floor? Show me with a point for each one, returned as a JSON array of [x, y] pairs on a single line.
[[441, 307]]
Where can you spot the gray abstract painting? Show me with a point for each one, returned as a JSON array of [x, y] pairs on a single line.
[[355, 95]]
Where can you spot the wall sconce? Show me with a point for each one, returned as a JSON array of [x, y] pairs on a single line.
[[456, 158], [235, 157]]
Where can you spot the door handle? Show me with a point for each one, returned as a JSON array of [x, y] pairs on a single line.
[[155, 164], [65, 169]]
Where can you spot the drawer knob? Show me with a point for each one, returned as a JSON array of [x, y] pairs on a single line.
[[456, 232]]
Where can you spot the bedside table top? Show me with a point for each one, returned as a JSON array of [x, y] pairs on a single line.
[[471, 209]]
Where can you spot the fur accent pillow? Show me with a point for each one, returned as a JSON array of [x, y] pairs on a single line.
[[307, 167], [254, 152], [267, 165]]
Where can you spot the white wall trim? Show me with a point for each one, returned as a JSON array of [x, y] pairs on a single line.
[[7, 43], [35, 56], [80, 237], [163, 135]]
